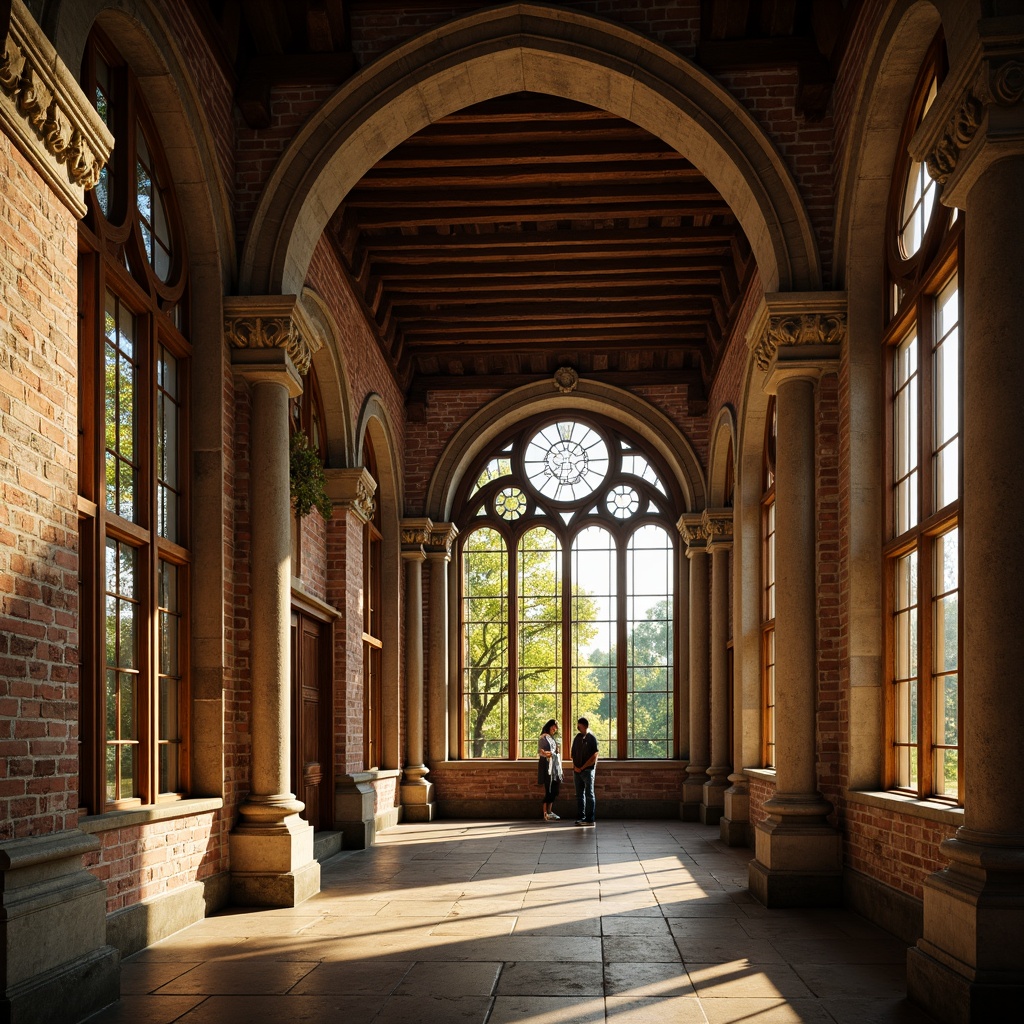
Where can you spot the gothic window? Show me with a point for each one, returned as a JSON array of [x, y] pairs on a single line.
[[373, 630], [923, 358], [133, 460], [768, 589], [568, 565]]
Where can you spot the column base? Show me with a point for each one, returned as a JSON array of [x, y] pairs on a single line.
[[712, 805], [354, 802], [735, 823], [53, 930], [418, 801], [693, 794], [798, 858], [968, 966], [272, 861]]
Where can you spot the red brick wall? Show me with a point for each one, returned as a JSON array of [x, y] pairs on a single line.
[[38, 505], [313, 560]]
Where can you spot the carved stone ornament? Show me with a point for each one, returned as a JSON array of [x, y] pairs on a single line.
[[691, 529], [353, 490], [566, 379], [716, 525], [442, 537], [416, 532], [269, 321], [47, 113], [1000, 84], [790, 329]]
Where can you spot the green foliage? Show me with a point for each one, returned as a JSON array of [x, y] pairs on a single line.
[[308, 482]]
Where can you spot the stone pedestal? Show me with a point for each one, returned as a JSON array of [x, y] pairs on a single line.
[[735, 822], [57, 964]]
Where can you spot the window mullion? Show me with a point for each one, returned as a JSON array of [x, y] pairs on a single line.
[[623, 729], [926, 667], [512, 546], [568, 724]]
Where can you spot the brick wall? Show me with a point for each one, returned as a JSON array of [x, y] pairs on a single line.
[[38, 505]]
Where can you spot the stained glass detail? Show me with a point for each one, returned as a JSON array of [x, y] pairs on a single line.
[[566, 461]]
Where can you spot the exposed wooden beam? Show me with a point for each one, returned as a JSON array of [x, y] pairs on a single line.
[[546, 176], [502, 153], [424, 384], [518, 339], [456, 271]]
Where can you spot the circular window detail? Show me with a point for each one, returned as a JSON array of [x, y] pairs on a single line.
[[510, 503], [566, 461], [623, 501]]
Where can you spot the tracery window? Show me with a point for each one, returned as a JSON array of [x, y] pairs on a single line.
[[768, 589], [923, 356], [133, 459], [568, 566]]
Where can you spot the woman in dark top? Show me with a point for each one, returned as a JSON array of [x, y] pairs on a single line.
[[549, 767]]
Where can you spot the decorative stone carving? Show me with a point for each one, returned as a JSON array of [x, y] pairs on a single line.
[[48, 114], [442, 537], [271, 321], [416, 535], [691, 528], [566, 379], [1001, 84], [352, 490], [798, 329], [716, 526]]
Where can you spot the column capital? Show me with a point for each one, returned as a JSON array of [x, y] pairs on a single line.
[[797, 333], [978, 115], [442, 537], [353, 491], [415, 537], [691, 528], [47, 115], [257, 324], [716, 525]]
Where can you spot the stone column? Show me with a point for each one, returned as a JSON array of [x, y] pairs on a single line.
[[692, 530], [352, 492], [271, 846], [717, 527], [439, 554], [416, 793], [798, 854], [968, 967]]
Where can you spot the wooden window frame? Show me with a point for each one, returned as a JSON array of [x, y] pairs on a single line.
[[767, 610]]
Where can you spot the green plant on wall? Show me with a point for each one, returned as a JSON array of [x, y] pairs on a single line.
[[308, 483]]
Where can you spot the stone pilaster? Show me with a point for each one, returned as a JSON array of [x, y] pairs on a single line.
[[968, 966], [798, 858], [692, 529], [439, 554], [717, 528], [271, 845], [417, 793]]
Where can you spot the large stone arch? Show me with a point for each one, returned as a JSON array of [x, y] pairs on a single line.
[[886, 85], [509, 49], [481, 429], [723, 437]]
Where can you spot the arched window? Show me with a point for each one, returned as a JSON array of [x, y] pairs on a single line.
[[373, 627], [568, 566], [133, 460], [923, 358], [768, 589]]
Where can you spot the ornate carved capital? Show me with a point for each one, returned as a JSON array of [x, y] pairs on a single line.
[[691, 529], [716, 525], [415, 535], [566, 379], [997, 83], [270, 321], [47, 114], [442, 537], [797, 319], [352, 490]]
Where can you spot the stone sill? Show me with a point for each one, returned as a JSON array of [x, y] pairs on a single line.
[[605, 764], [375, 775], [932, 810], [764, 774], [93, 823]]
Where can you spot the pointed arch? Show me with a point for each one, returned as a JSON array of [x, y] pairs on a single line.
[[540, 49]]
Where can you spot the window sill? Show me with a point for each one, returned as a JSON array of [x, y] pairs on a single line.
[[931, 810], [92, 823], [374, 774], [765, 774]]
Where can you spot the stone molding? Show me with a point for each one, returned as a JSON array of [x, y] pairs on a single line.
[[257, 322], [814, 321], [48, 115], [442, 537], [566, 379], [415, 536], [352, 490], [716, 526], [691, 528]]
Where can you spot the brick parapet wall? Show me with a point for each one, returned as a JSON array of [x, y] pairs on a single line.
[[38, 505]]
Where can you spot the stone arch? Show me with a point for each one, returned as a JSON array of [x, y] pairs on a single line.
[[889, 75], [541, 49], [723, 436], [481, 429], [334, 386], [375, 423]]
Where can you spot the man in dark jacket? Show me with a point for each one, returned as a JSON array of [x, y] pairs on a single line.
[[584, 758]]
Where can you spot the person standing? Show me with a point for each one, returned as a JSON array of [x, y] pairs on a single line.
[[549, 768], [584, 761]]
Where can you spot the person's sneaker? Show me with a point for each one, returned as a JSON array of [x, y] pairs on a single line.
[[588, 824], [554, 817], [547, 817], [580, 821]]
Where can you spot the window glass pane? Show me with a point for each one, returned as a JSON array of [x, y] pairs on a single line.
[[905, 439], [167, 415], [122, 661], [905, 679], [169, 680], [152, 212], [649, 667], [769, 561], [918, 199], [594, 635], [769, 696], [566, 460], [946, 397], [494, 469], [946, 662], [120, 410], [485, 622]]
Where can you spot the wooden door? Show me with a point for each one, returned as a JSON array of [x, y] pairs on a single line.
[[311, 713]]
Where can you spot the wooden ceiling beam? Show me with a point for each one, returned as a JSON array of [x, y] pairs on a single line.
[[570, 308], [506, 269], [448, 332], [647, 282], [592, 340], [535, 175], [502, 153], [691, 248], [679, 194], [423, 383]]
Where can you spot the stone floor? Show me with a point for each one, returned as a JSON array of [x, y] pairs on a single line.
[[629, 922]]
